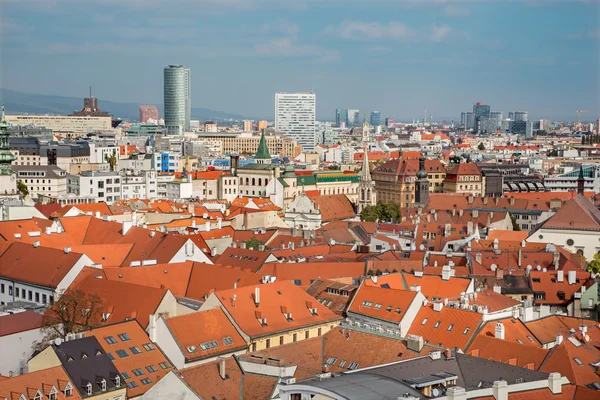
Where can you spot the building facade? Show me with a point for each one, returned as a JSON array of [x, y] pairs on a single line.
[[46, 180], [148, 114], [295, 117], [69, 126], [177, 99]]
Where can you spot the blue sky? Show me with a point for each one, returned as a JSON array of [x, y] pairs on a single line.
[[395, 56]]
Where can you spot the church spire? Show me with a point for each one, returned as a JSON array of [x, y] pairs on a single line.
[[580, 181], [262, 155]]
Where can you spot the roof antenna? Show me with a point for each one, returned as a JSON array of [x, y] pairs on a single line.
[[90, 92]]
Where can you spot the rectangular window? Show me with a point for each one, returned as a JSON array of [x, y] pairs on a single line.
[[110, 340], [294, 337], [125, 375], [151, 368], [110, 356], [135, 350], [124, 337], [138, 372], [280, 340], [132, 385], [146, 381], [149, 347], [450, 327], [17, 292], [122, 353], [268, 343], [164, 365], [2, 288]]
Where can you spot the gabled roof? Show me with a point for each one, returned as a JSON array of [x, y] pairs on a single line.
[[41, 266], [84, 208], [547, 282], [43, 380], [334, 206], [574, 358], [19, 322], [86, 362], [142, 354], [276, 302], [246, 259], [546, 329], [577, 214], [515, 331], [449, 327], [174, 277], [431, 286], [207, 383], [206, 278], [504, 351], [122, 300], [205, 334], [384, 304]]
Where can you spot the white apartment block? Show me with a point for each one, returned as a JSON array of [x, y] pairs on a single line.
[[45, 180], [295, 117], [165, 162], [99, 154], [102, 186], [139, 186], [228, 187], [70, 126]]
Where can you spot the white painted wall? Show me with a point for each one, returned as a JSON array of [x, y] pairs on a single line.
[[170, 387], [588, 241], [168, 344], [16, 351], [189, 251]]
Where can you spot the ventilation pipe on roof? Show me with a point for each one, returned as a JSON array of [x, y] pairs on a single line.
[[222, 368], [219, 223], [519, 257], [560, 276], [98, 215], [475, 213], [243, 245], [257, 296], [213, 252], [292, 246], [207, 226], [456, 393], [193, 222], [559, 339], [556, 259]]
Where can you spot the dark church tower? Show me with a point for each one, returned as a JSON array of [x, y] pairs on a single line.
[[580, 181], [422, 185]]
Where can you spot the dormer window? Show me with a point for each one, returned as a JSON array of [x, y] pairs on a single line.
[[89, 388], [68, 390], [38, 395], [52, 394], [103, 384], [117, 381]]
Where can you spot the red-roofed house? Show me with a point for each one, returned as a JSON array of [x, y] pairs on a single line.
[[17, 334]]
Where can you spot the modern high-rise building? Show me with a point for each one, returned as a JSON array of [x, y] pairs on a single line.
[[295, 117], [353, 118], [480, 111], [470, 125], [338, 117], [148, 113], [261, 125], [178, 99], [389, 122], [375, 118], [520, 116], [247, 125]]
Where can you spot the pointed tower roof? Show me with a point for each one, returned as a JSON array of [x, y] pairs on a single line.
[[262, 153], [365, 173]]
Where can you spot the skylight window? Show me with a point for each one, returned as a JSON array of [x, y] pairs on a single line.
[[132, 385], [122, 353], [389, 309], [151, 368], [342, 363], [578, 361], [437, 324], [353, 365], [367, 303], [331, 360], [424, 321], [164, 365], [450, 327], [398, 310], [466, 331], [149, 347], [227, 341], [191, 349], [138, 372]]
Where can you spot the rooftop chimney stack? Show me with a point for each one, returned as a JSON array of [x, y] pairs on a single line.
[[560, 276], [499, 333], [500, 390], [554, 383], [559, 339], [222, 368], [572, 277]]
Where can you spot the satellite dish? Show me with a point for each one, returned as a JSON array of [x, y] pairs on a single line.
[[58, 341], [539, 267], [422, 247], [435, 392]]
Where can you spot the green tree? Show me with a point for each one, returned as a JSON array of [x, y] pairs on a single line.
[[481, 146], [391, 212], [593, 266], [254, 243], [515, 226], [22, 187], [369, 214], [111, 160]]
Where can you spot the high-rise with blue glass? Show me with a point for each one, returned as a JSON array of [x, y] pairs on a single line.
[[178, 99]]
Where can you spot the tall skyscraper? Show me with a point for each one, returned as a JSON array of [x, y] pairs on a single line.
[[480, 111], [353, 117], [375, 118], [148, 113], [521, 116], [338, 117], [178, 99], [470, 125], [295, 117]]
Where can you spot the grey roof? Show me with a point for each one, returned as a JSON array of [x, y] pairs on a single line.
[[85, 361], [472, 372], [51, 171], [365, 386]]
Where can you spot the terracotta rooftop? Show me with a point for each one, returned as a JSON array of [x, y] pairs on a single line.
[[205, 334], [578, 213], [508, 352], [175, 276], [206, 278], [335, 206], [19, 322], [384, 304], [282, 305], [514, 331], [43, 380], [133, 354], [332, 294]]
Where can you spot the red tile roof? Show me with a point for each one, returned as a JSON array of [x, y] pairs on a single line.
[[514, 331], [334, 206], [192, 331], [578, 213], [275, 300], [43, 380], [19, 322], [384, 304], [174, 277], [522, 355], [142, 354]]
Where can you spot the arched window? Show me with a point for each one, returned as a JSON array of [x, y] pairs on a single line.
[[253, 182], [247, 181], [259, 182]]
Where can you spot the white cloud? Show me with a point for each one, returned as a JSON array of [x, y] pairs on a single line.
[[439, 33], [358, 30], [280, 26], [288, 47], [456, 11]]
